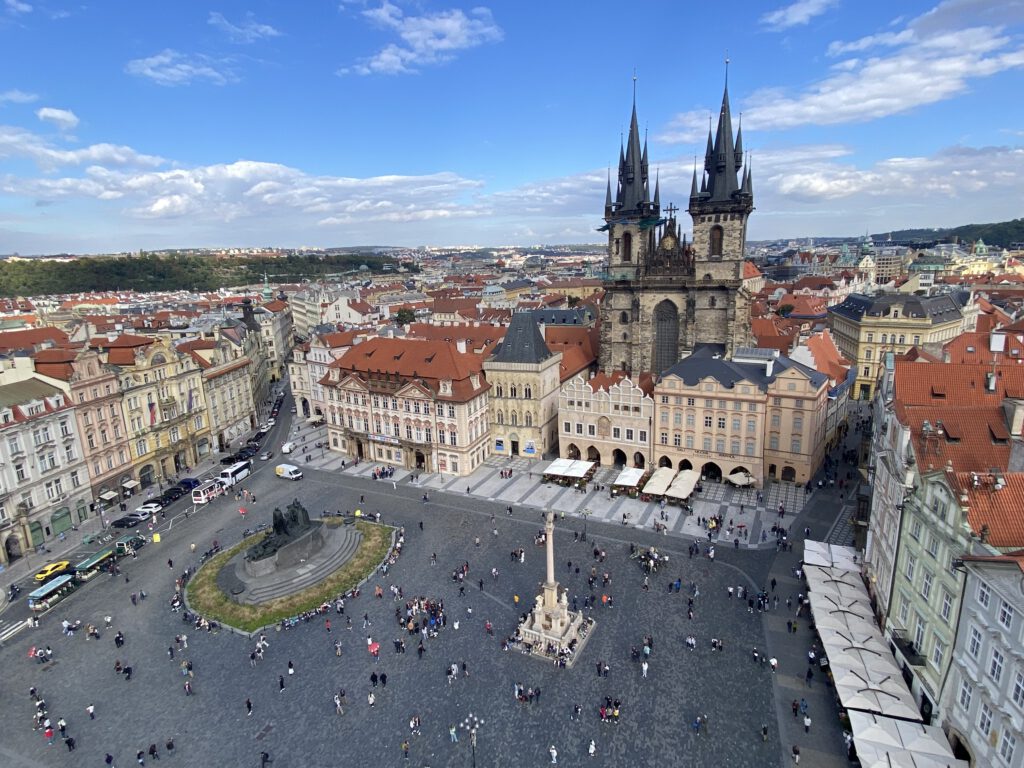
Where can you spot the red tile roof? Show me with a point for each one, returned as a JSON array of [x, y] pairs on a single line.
[[999, 510], [827, 359], [602, 381], [276, 306], [750, 271], [30, 338]]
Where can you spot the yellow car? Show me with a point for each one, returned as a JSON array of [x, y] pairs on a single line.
[[53, 569]]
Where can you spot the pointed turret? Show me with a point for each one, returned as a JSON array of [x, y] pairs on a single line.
[[748, 180], [608, 192], [693, 184], [709, 153], [738, 152], [657, 191], [633, 190]]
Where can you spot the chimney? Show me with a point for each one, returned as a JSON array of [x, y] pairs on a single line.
[[990, 382], [460, 345], [769, 367]]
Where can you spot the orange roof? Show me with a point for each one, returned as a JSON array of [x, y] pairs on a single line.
[[973, 347], [827, 359], [997, 509], [30, 338], [1010, 558], [750, 271], [574, 360], [480, 337], [424, 360], [602, 381], [336, 339], [56, 363], [276, 305]]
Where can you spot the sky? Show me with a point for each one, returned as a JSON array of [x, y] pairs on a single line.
[[147, 125]]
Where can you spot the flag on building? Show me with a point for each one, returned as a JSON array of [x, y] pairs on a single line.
[[152, 414]]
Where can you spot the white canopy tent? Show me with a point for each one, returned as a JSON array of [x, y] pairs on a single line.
[[882, 741], [630, 477], [558, 467], [660, 481], [578, 469], [741, 478], [883, 695], [683, 484], [832, 556]]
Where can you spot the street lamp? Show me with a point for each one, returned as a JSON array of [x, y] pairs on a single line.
[[585, 513], [472, 723]]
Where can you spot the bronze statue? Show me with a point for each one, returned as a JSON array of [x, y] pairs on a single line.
[[287, 527]]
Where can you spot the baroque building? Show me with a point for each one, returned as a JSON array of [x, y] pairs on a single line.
[[664, 296]]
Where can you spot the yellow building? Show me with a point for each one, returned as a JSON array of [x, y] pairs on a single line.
[[759, 413], [866, 327]]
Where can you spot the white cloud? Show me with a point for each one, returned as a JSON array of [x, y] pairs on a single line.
[[15, 96], [17, 142], [887, 39], [170, 68], [249, 31], [16, 7], [796, 14], [64, 119], [426, 40]]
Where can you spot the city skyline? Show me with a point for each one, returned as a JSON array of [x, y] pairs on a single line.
[[442, 123]]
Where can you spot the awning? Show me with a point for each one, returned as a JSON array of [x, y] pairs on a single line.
[[108, 495], [629, 477], [558, 467], [129, 484], [684, 484], [831, 556], [568, 468], [882, 741], [740, 478], [314, 419], [660, 481]]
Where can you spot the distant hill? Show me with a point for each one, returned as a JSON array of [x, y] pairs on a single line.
[[1001, 233]]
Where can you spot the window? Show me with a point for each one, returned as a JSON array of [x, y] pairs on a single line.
[[408, 431], [629, 435], [938, 653], [926, 584], [579, 428], [798, 424], [917, 340], [795, 445], [643, 435], [974, 642], [751, 426], [933, 545], [985, 720], [677, 440], [947, 606], [1018, 689], [706, 444], [909, 570], [904, 609], [451, 411], [773, 442], [867, 371], [749, 448], [867, 354], [721, 422], [737, 405], [566, 427], [677, 419], [871, 337], [663, 438], [500, 417], [691, 420], [995, 666], [918, 631], [664, 399], [964, 698], [442, 436], [776, 421], [591, 430], [691, 402], [689, 442], [140, 448], [708, 420], [984, 594], [1007, 744], [752, 407], [709, 403], [915, 529], [1005, 615], [616, 433]]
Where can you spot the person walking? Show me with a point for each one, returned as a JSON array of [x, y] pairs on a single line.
[[795, 752], [264, 759], [807, 723], [554, 754], [592, 749], [280, 683], [371, 699], [91, 710], [452, 734], [643, 669], [248, 708]]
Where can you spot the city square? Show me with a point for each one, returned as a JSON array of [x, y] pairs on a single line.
[[298, 725]]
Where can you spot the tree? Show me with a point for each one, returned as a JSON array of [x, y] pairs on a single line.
[[405, 316], [572, 301], [785, 309]]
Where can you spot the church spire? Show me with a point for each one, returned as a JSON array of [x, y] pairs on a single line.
[[633, 189], [657, 190], [608, 192], [693, 184]]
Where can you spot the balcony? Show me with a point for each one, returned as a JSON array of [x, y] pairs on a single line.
[[907, 648]]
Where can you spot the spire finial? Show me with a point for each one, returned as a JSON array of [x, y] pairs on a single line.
[[726, 67], [634, 87]]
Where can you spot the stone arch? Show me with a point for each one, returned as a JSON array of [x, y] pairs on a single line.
[[624, 318], [664, 461], [685, 464], [500, 417], [528, 392], [639, 460], [528, 419], [13, 547], [627, 246], [593, 454], [572, 451], [711, 471], [788, 474], [665, 353], [619, 457], [513, 391]]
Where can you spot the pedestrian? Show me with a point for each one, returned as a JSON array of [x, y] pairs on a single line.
[[153, 754], [809, 676], [91, 709], [796, 754], [764, 732], [373, 679], [109, 759], [796, 707], [643, 669], [170, 563], [592, 749], [248, 708], [280, 683], [383, 679], [371, 699], [405, 749], [62, 727], [807, 723], [554, 754], [140, 757], [69, 742], [264, 759], [169, 746]]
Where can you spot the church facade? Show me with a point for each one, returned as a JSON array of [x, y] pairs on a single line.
[[664, 296]]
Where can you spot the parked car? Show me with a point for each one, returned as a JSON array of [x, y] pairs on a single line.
[[271, 422], [47, 572], [188, 483], [247, 453], [125, 522], [149, 508], [266, 456], [294, 409], [229, 460], [174, 492]]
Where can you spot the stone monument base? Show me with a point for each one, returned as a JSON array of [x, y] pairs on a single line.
[[328, 549], [549, 632]]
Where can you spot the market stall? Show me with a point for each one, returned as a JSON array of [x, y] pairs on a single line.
[[683, 484], [659, 483], [628, 481]]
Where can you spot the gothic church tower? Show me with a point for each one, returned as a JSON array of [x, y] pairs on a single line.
[[662, 295]]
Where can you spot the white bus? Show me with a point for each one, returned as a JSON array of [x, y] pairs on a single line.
[[235, 473], [207, 492]]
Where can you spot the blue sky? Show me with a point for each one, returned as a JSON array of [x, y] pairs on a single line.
[[160, 124]]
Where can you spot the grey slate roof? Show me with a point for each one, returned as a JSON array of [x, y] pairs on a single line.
[[707, 360], [941, 308], [577, 316], [523, 342]]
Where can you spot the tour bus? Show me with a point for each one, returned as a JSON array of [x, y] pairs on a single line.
[[235, 473], [93, 565], [207, 492], [52, 592]]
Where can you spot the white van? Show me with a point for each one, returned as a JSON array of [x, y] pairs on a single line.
[[288, 472], [288, 447]]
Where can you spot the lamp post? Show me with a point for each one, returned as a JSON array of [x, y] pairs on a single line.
[[585, 513], [472, 724]]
